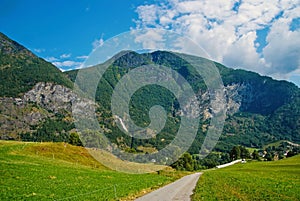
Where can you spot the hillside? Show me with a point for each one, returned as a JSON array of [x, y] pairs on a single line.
[[20, 69], [58, 171], [276, 180], [22, 110], [260, 110], [36, 100]]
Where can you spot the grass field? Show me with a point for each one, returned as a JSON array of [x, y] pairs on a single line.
[[277, 180], [53, 171]]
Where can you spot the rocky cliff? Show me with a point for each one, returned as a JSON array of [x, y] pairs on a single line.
[[45, 101]]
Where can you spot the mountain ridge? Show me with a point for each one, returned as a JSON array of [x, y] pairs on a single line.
[[260, 99], [261, 110], [20, 69]]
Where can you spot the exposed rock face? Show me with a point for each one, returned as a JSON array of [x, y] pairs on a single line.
[[51, 99], [55, 98], [237, 96], [234, 97], [18, 115]]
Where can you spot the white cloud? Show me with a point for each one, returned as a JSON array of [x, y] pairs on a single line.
[[67, 64], [150, 39], [242, 52], [148, 13], [64, 62], [283, 49], [65, 56], [230, 35], [82, 57], [98, 42], [39, 50], [51, 59]]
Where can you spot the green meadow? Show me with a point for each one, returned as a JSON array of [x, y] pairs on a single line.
[[58, 171], [277, 180]]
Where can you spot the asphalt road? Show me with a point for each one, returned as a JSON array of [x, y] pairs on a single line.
[[180, 190]]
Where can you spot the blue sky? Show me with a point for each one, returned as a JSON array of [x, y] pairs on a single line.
[[54, 28], [257, 35]]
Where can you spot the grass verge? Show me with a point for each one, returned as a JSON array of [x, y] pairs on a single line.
[[278, 180]]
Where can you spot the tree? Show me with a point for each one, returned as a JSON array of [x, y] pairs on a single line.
[[290, 154], [74, 139], [255, 155], [94, 139], [209, 163], [244, 152], [269, 156], [185, 162], [235, 153], [225, 158]]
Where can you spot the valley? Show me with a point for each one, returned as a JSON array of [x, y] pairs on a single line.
[[45, 157]]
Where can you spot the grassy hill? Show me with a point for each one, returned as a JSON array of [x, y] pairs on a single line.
[[277, 180], [58, 171]]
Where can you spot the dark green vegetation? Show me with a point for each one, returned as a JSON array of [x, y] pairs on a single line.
[[20, 70], [278, 151], [269, 109], [238, 152], [53, 129], [276, 180], [265, 110], [58, 171], [189, 162]]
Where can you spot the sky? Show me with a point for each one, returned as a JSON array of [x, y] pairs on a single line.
[[257, 35]]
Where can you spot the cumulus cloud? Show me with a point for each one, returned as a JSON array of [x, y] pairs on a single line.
[[67, 64], [51, 59], [283, 48], [65, 56], [230, 31], [152, 39], [82, 57]]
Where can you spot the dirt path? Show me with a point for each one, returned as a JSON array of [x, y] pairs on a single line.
[[180, 190]]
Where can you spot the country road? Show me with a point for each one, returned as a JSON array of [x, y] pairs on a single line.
[[180, 190]]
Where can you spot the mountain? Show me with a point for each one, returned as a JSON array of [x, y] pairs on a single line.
[[35, 96], [259, 109], [20, 69], [36, 100]]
